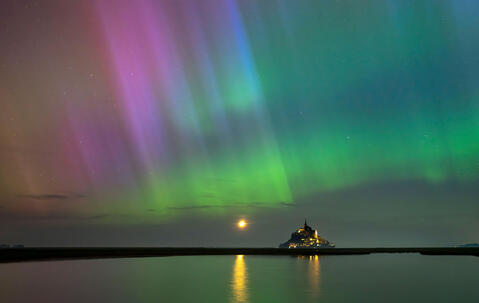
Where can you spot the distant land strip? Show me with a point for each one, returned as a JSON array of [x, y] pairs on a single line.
[[74, 253]]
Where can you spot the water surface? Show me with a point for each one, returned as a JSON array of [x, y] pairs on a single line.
[[371, 278]]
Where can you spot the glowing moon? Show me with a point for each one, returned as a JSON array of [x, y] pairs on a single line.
[[242, 224]]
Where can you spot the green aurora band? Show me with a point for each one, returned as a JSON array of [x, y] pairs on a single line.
[[350, 94]]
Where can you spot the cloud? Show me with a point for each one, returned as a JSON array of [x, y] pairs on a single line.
[[45, 197], [236, 205], [193, 207], [94, 217], [23, 149], [52, 196], [13, 216], [287, 204]]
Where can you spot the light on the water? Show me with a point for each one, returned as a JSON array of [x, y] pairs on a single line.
[[242, 223]]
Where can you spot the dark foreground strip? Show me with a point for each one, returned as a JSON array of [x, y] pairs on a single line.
[[64, 253]]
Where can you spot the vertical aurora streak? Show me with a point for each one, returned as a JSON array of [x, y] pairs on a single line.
[[206, 92], [174, 101]]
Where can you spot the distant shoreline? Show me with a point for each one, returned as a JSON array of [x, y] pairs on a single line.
[[74, 253]]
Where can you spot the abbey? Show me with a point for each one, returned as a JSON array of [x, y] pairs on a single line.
[[306, 237]]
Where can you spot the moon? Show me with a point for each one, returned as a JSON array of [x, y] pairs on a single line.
[[242, 224]]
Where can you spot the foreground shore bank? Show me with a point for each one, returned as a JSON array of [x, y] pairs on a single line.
[[72, 253]]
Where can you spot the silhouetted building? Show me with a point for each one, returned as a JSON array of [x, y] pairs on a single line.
[[306, 237]]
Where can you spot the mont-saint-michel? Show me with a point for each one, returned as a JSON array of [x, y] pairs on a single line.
[[306, 237]]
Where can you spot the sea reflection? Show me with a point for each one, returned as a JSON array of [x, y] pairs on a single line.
[[314, 274], [239, 283]]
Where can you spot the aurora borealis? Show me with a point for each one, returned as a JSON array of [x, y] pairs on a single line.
[[122, 114]]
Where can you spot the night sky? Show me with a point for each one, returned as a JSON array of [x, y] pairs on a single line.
[[164, 122]]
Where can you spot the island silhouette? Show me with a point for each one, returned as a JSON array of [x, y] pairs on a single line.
[[306, 237]]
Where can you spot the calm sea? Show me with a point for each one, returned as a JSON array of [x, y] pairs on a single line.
[[370, 278]]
